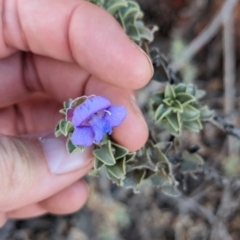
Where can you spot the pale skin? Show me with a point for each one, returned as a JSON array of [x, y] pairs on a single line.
[[58, 49]]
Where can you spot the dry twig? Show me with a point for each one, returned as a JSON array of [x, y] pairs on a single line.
[[229, 72], [227, 127]]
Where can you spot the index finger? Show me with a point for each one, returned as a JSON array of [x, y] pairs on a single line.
[[74, 30]]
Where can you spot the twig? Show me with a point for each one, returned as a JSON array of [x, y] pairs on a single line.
[[229, 63], [227, 127], [206, 35], [229, 72]]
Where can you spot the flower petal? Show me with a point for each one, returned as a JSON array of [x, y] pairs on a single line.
[[82, 136], [100, 127], [88, 108], [115, 116]]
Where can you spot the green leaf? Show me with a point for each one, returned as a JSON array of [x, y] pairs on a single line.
[[65, 127], [120, 151], [97, 164], [169, 92], [185, 98], [168, 102], [160, 178], [190, 113], [129, 12], [174, 121], [171, 190], [191, 162], [142, 161], [120, 19], [70, 147], [132, 11], [119, 169], [93, 173], [145, 34], [66, 104], [77, 101], [154, 102], [139, 24], [194, 126], [157, 156], [133, 4], [200, 94], [115, 6], [177, 106], [166, 125], [191, 89], [57, 130], [63, 111], [62, 126], [164, 146], [158, 97], [130, 156], [112, 177], [161, 113], [133, 178], [180, 88], [138, 15], [133, 33], [206, 114], [104, 154]]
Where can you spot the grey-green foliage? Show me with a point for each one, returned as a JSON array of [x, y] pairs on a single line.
[[190, 162], [177, 108], [130, 169], [129, 15]]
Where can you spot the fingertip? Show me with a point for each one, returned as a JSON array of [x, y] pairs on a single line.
[[116, 59], [138, 136], [141, 69], [133, 131], [135, 124]]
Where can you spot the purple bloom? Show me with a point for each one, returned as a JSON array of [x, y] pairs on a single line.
[[92, 118]]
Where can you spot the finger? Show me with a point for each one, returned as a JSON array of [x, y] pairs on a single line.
[[133, 131], [68, 200], [58, 79], [37, 113], [33, 210], [35, 168], [98, 44]]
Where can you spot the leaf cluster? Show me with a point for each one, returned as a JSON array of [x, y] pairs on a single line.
[[131, 169], [177, 108], [129, 16]]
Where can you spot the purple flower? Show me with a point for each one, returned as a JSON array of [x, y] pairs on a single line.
[[92, 118]]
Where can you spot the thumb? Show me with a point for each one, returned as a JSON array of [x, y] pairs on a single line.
[[33, 168]]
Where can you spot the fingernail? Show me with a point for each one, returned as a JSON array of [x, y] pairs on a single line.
[[137, 109], [58, 159], [146, 55]]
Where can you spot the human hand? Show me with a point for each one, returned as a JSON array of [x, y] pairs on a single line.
[[51, 51]]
